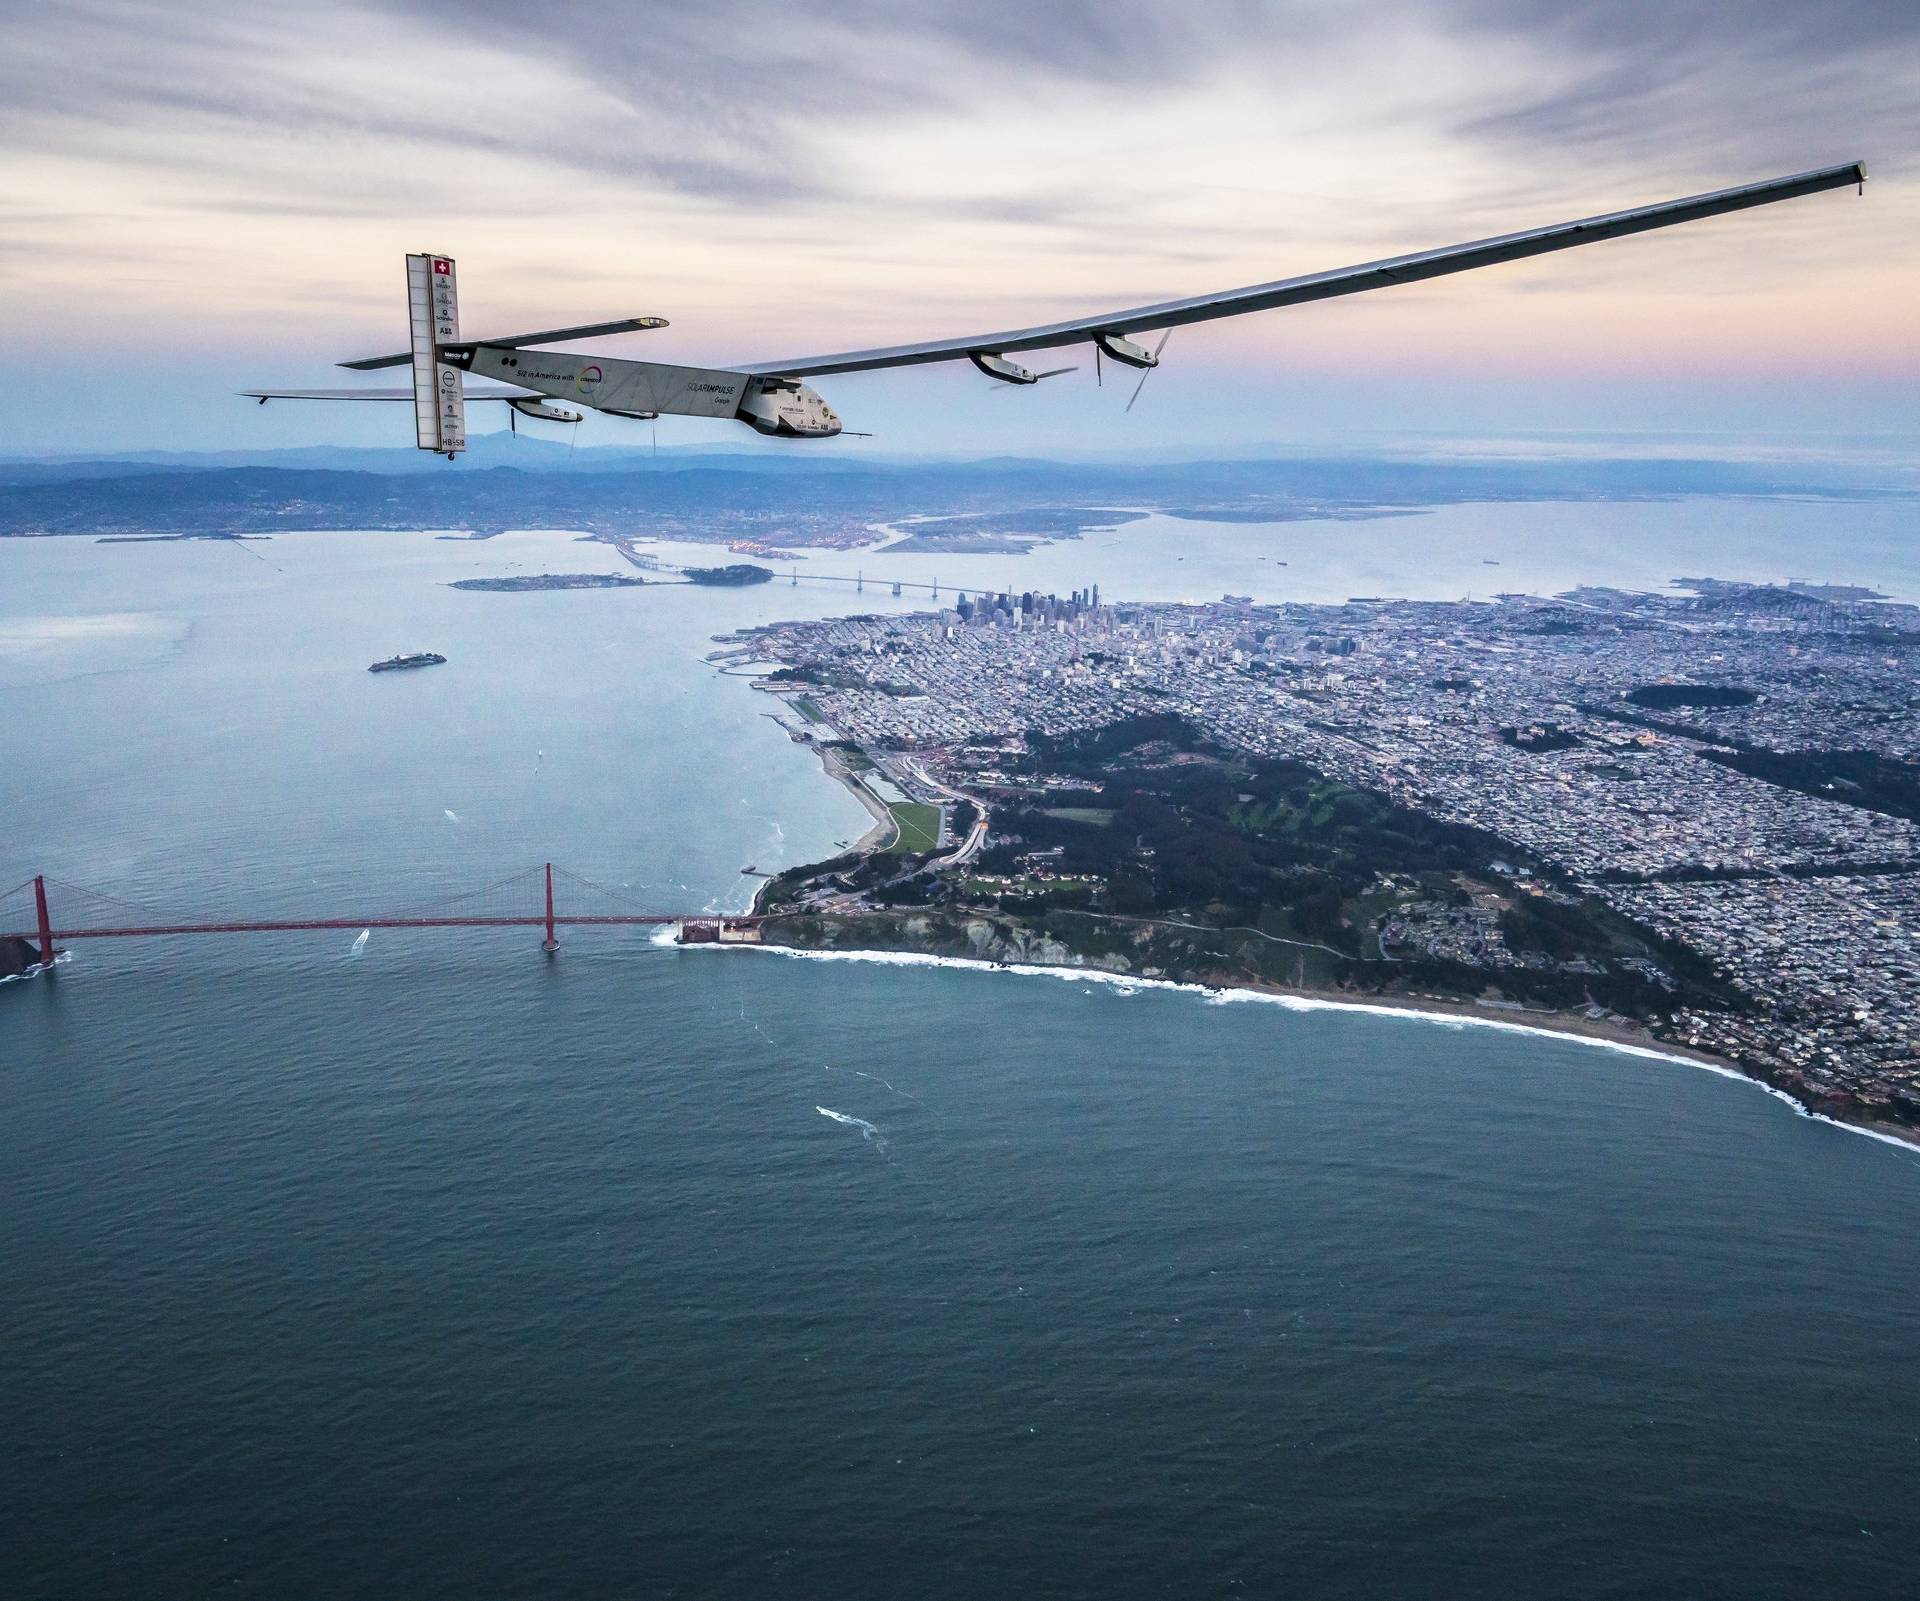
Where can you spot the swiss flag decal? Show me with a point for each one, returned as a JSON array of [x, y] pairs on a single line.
[[442, 265]]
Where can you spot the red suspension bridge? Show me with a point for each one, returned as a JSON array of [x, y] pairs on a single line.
[[524, 900]]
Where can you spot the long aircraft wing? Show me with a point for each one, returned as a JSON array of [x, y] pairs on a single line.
[[1325, 285]]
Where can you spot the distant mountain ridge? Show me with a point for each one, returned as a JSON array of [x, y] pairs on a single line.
[[727, 496]]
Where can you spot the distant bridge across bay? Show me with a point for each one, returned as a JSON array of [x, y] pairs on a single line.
[[794, 576], [859, 581]]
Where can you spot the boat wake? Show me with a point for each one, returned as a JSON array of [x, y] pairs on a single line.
[[867, 1130], [875, 1078]]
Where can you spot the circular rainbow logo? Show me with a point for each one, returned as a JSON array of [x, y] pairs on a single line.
[[589, 377]]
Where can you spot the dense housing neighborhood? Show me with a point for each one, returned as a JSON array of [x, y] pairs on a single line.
[[1731, 770]]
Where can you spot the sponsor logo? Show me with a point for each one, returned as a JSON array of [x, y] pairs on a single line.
[[588, 378]]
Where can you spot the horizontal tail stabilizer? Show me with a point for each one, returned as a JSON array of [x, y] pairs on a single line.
[[546, 336]]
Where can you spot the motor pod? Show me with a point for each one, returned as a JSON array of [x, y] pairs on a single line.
[[1125, 351], [1008, 372]]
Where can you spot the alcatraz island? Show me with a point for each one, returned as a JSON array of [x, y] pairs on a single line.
[[1687, 819]]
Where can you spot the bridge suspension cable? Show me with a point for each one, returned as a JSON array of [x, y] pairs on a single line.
[[520, 900]]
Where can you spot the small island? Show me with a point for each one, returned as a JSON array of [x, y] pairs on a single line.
[[533, 581], [736, 576], [174, 539], [1004, 533]]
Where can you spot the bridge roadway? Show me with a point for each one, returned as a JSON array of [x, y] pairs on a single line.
[[46, 937], [291, 924], [859, 581], [649, 562]]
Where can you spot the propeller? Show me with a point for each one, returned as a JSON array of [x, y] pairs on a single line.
[[1147, 372]]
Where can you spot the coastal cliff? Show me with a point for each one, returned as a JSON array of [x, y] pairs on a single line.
[[1164, 950], [16, 956], [973, 936]]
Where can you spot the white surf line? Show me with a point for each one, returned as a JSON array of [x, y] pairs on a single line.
[[35, 969], [1315, 1003]]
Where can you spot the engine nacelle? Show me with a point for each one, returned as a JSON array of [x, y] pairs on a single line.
[[530, 407], [787, 409], [1008, 372], [1125, 351]]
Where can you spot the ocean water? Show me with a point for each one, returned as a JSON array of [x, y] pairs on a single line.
[[445, 1269]]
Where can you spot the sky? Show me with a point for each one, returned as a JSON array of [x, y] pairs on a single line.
[[198, 198]]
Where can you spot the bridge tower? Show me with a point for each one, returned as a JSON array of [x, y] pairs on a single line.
[[46, 923], [860, 581], [936, 586], [896, 588], [552, 942]]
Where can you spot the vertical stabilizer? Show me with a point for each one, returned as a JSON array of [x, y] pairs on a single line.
[[433, 319]]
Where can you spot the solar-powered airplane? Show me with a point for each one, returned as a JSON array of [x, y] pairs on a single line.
[[770, 398]]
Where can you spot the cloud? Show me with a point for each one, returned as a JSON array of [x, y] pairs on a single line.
[[787, 109], [1766, 80]]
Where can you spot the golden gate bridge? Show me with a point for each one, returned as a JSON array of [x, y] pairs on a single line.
[[532, 898]]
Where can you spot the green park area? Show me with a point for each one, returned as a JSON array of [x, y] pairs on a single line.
[[919, 826]]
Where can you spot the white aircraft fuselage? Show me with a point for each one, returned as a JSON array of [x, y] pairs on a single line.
[[782, 407]]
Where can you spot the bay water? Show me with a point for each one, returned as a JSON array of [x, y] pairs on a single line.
[[442, 1268]]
